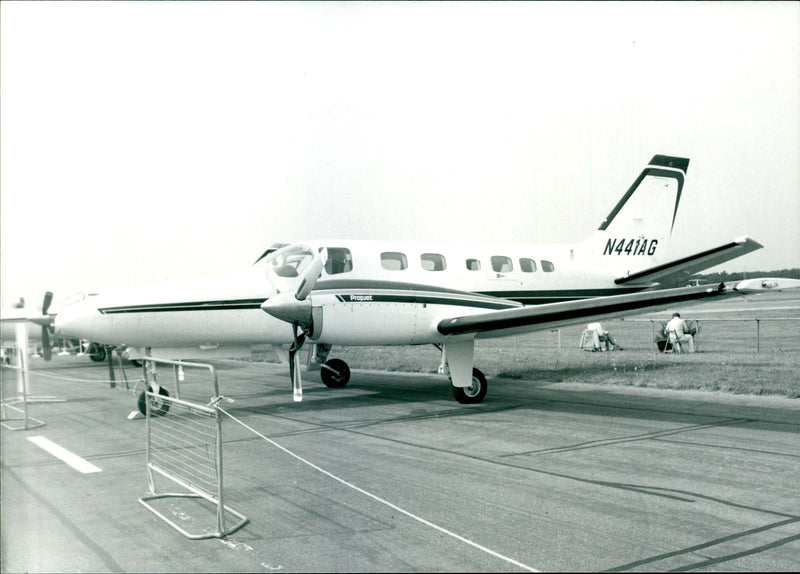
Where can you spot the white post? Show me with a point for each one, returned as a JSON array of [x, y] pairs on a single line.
[[22, 345]]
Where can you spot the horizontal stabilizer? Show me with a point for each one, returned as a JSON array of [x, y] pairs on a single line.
[[765, 284], [686, 266]]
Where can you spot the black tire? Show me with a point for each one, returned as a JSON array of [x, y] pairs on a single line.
[[474, 393], [157, 408], [336, 378], [97, 353], [136, 363]]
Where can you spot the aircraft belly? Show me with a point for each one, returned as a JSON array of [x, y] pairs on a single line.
[[378, 323], [189, 328], [382, 323]]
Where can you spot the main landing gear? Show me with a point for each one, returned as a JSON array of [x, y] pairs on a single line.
[[335, 373], [473, 393]]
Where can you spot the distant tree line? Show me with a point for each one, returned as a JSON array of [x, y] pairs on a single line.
[[725, 277]]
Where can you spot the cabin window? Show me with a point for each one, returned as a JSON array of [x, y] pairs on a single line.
[[393, 261], [340, 260], [502, 264], [433, 262], [473, 264], [527, 265], [547, 266]]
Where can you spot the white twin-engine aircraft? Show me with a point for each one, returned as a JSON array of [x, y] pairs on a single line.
[[341, 292]]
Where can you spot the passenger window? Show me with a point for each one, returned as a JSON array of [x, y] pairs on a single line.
[[473, 265], [340, 260], [501, 264], [433, 262], [393, 261], [547, 267], [527, 265]]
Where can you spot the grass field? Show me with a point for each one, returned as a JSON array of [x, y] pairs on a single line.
[[735, 353]]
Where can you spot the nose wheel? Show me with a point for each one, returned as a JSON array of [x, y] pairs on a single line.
[[157, 407]]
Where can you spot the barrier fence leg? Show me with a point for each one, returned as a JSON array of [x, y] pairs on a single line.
[[110, 358], [758, 335]]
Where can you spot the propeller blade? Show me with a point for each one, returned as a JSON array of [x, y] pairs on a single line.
[[48, 299], [47, 350], [294, 372], [46, 322], [311, 275], [294, 364], [293, 271]]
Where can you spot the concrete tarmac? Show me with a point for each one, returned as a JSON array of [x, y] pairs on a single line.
[[390, 474]]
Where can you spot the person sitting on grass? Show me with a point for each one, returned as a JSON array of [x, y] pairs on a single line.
[[603, 337]]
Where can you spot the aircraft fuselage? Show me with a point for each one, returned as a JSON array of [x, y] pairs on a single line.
[[398, 290]]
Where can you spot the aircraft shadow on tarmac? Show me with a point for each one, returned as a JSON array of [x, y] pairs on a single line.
[[427, 396]]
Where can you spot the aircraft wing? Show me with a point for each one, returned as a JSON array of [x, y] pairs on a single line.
[[9, 316], [554, 315], [686, 266]]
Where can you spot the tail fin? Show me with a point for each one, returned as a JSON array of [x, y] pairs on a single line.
[[637, 230]]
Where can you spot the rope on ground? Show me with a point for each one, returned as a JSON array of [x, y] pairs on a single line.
[[61, 377], [379, 499]]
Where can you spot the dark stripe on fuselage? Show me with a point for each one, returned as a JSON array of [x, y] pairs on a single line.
[[185, 306], [351, 284], [387, 292], [425, 299], [558, 295]]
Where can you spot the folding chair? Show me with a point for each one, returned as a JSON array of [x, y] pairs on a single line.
[[590, 339], [673, 346]]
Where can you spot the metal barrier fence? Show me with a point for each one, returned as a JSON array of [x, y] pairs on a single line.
[[778, 334], [14, 404], [184, 445], [14, 407]]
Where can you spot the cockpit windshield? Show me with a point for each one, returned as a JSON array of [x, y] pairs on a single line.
[[271, 249], [285, 265], [77, 298]]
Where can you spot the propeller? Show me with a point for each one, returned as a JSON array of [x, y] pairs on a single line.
[[46, 322], [294, 306]]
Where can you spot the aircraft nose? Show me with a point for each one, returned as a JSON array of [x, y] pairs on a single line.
[[77, 320]]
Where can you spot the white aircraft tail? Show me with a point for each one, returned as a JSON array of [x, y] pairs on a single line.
[[636, 232]]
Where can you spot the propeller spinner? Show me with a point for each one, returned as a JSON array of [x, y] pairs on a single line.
[[294, 265]]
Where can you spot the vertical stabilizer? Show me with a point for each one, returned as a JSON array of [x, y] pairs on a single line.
[[638, 229]]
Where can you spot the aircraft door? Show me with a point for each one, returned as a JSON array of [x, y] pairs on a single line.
[[502, 270]]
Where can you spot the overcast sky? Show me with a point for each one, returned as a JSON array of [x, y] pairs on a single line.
[[148, 141]]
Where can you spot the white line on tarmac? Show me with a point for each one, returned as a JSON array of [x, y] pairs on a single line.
[[64, 455], [382, 501]]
